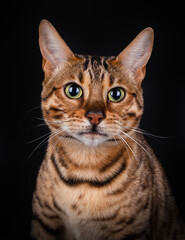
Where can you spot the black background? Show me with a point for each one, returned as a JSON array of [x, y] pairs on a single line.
[[87, 28]]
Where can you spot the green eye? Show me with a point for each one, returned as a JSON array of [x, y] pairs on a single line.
[[73, 91], [116, 94]]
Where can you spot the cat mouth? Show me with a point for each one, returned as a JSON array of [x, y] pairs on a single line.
[[93, 133], [92, 137]]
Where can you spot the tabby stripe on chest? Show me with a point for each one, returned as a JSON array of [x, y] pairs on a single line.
[[73, 181], [44, 225]]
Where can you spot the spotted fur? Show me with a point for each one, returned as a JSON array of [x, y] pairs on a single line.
[[108, 186]]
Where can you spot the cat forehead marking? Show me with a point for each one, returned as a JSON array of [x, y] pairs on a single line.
[[96, 66]]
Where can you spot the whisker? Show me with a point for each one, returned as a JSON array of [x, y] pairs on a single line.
[[38, 138], [137, 144], [124, 144], [42, 143], [144, 132], [39, 145], [58, 140], [42, 119], [115, 140], [40, 125], [57, 121], [32, 109], [51, 121], [61, 138], [142, 143], [128, 146]]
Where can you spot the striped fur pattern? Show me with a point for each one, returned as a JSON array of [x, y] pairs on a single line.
[[105, 183]]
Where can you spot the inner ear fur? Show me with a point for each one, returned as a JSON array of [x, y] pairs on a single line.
[[136, 55], [53, 48]]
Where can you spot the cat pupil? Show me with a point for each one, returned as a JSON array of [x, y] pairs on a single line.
[[73, 90], [116, 93]]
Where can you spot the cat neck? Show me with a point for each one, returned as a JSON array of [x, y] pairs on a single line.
[[92, 156]]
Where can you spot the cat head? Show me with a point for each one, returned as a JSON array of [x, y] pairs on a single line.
[[92, 99]]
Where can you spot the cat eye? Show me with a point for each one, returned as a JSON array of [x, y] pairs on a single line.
[[73, 91], [116, 94]]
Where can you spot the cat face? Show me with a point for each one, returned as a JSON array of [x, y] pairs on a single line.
[[88, 98]]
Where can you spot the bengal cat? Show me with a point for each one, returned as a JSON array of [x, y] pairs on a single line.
[[99, 180]]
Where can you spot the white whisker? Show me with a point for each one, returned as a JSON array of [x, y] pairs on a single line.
[[124, 141], [32, 109], [115, 140], [43, 142], [58, 140], [40, 125], [51, 121], [39, 145], [144, 132], [137, 144], [124, 144], [39, 138]]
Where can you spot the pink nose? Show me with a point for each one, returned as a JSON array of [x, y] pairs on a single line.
[[95, 118]]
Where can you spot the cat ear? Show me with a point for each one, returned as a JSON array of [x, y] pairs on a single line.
[[136, 55], [53, 48]]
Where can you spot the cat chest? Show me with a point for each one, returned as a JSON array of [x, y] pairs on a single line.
[[82, 201], [87, 211]]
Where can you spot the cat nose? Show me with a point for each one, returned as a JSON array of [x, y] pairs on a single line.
[[95, 117]]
